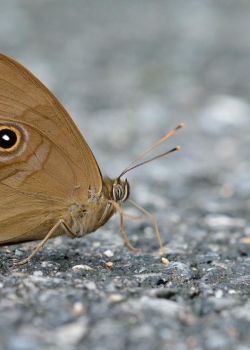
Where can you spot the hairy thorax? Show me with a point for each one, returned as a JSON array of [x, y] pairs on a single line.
[[86, 217]]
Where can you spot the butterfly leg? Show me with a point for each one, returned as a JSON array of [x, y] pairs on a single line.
[[61, 223], [161, 252], [126, 239], [133, 217]]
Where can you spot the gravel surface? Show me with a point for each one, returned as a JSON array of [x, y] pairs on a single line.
[[129, 71]]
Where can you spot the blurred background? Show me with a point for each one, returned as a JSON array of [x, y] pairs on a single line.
[[129, 71]]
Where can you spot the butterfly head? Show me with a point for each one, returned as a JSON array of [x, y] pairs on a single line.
[[115, 190], [120, 190]]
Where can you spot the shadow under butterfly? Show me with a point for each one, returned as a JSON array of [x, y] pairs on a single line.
[[50, 182]]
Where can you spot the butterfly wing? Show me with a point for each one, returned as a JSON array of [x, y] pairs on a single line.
[[52, 163], [24, 98]]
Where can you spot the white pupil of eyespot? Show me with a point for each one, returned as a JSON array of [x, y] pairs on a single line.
[[6, 137]]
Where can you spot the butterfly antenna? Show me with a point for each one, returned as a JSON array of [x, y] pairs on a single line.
[[164, 138]]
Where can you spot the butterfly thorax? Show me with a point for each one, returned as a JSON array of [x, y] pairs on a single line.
[[87, 217]]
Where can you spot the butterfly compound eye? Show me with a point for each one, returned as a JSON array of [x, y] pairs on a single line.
[[10, 138], [121, 191]]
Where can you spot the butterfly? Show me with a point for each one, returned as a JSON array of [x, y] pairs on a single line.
[[50, 182]]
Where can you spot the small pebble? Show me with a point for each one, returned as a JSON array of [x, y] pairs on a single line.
[[165, 261], [78, 308], [109, 263], [70, 334], [19, 274], [108, 253], [83, 267], [18, 252], [38, 273], [116, 298], [90, 285]]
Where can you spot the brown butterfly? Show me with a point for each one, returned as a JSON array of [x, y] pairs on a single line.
[[50, 182]]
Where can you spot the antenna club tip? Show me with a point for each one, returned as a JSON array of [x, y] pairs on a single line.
[[178, 148], [182, 124]]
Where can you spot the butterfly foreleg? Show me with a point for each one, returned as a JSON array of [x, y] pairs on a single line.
[[61, 223], [126, 239]]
